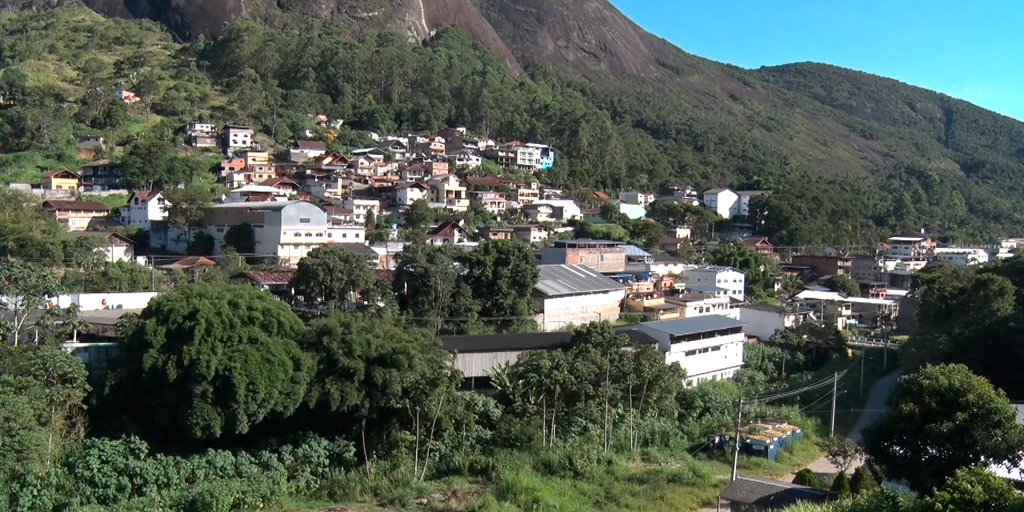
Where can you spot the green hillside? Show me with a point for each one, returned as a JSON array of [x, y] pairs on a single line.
[[851, 157]]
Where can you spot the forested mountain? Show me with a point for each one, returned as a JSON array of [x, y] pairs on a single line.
[[851, 156]]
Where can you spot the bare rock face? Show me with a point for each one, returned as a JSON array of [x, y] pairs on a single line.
[[581, 34]]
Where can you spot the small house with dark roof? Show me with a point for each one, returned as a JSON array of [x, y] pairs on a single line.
[[114, 247], [306, 150], [62, 180], [757, 495], [447, 233], [275, 281]]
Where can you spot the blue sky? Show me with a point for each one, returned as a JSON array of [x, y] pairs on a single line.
[[968, 49]]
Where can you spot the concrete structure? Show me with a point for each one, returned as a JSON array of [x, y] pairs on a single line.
[[101, 175], [574, 294], [360, 208], [494, 202], [637, 198], [960, 257], [516, 155], [557, 210], [600, 255], [722, 201], [763, 320], [909, 247], [75, 215], [448, 190], [729, 279], [664, 264], [530, 233], [255, 194], [756, 495], [707, 347], [286, 229], [477, 356], [826, 265], [144, 207], [114, 248], [447, 233], [237, 137], [408, 193], [693, 307], [866, 268], [856, 310], [305, 150]]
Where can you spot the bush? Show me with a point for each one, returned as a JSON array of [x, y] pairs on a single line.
[[841, 485], [808, 478], [863, 481]]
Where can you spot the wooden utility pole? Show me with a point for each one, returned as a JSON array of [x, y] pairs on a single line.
[[736, 452]]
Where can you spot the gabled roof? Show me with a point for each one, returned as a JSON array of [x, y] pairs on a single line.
[[446, 226], [270, 277], [513, 342], [192, 262], [58, 173], [311, 145], [144, 195], [771, 494], [104, 234], [715, 190], [89, 206], [280, 180], [561, 280], [685, 326]]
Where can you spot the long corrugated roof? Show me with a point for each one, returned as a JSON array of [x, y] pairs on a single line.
[[557, 280], [770, 494], [684, 326]]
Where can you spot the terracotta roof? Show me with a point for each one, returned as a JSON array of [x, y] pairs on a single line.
[[337, 210], [280, 180], [311, 144], [89, 206], [385, 275], [270, 277], [192, 262], [51, 174], [600, 195], [145, 195]]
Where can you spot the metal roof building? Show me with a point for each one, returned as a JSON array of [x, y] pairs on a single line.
[[564, 280], [756, 495]]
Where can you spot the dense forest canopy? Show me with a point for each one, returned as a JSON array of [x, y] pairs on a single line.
[[851, 157]]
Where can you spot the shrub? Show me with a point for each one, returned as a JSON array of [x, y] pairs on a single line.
[[807, 477], [841, 485], [863, 480]]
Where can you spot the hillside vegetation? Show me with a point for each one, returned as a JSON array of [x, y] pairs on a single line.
[[851, 157]]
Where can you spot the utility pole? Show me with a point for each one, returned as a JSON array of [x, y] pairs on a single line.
[[152, 275], [736, 452], [863, 356], [835, 390]]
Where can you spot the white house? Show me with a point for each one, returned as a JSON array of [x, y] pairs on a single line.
[[961, 257], [729, 279], [255, 194], [707, 347], [723, 201], [407, 193], [466, 159], [909, 247], [561, 210], [287, 229], [763, 320], [114, 248], [361, 207], [144, 206], [237, 137], [575, 294], [637, 198], [694, 307], [200, 127], [743, 205], [305, 150]]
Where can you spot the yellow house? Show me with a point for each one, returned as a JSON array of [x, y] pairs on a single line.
[[449, 190], [653, 306], [60, 180]]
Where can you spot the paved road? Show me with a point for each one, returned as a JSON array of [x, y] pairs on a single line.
[[874, 408]]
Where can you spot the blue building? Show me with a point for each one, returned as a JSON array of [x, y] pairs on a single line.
[[547, 155]]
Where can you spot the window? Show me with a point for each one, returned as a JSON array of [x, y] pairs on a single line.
[[220, 230], [344, 235], [304, 220], [330, 235]]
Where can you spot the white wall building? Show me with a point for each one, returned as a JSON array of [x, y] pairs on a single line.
[[763, 320], [960, 257], [575, 294], [729, 279], [562, 210], [408, 193], [288, 229], [723, 201], [360, 208], [637, 198], [693, 308], [908, 247], [707, 347], [144, 206]]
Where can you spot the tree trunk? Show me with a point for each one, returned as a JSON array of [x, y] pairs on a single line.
[[366, 455], [430, 442]]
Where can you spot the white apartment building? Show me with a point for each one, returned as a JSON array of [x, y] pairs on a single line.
[[237, 137], [707, 347], [144, 206], [693, 308], [360, 208], [702, 276], [288, 229], [909, 247], [408, 193], [637, 198], [961, 257], [728, 203]]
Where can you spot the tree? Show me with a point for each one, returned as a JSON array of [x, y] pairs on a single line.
[[808, 478], [844, 285], [201, 245], [942, 418], [147, 164], [841, 452], [501, 275], [185, 208], [841, 485], [974, 489], [27, 288], [419, 215], [206, 360], [372, 373], [331, 276], [242, 237], [430, 286]]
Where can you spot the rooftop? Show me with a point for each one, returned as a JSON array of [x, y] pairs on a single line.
[[771, 494], [559, 280], [512, 342], [92, 206], [270, 277], [685, 326]]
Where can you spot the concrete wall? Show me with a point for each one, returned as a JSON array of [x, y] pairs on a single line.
[[95, 301], [560, 312], [480, 363], [761, 324]]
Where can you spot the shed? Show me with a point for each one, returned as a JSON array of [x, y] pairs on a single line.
[[756, 495]]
